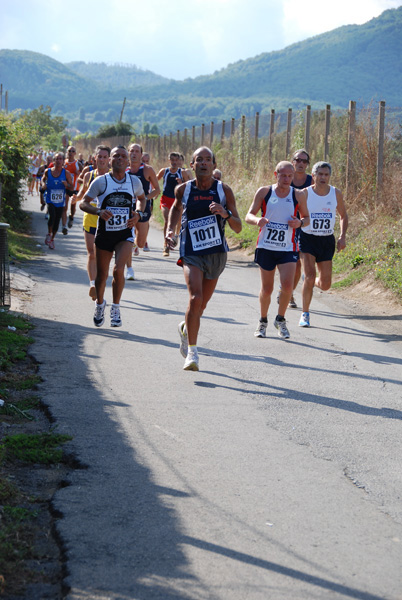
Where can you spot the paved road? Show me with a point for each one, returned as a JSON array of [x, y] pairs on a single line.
[[274, 472]]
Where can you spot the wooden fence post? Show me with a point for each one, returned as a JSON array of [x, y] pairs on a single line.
[[223, 131], [232, 127], [185, 145], [178, 139], [193, 139], [170, 141], [242, 137], [257, 125], [307, 127], [211, 134], [202, 134], [327, 125], [271, 134], [288, 132], [351, 144], [380, 151]]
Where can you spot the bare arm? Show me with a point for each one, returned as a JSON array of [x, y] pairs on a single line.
[[175, 213], [153, 180], [160, 174], [216, 208], [294, 222], [251, 217], [344, 220], [85, 185]]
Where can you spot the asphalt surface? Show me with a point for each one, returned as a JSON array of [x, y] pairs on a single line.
[[274, 472]]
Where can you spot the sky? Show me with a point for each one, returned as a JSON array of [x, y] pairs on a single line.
[[176, 38]]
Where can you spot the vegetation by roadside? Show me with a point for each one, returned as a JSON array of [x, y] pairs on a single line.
[[32, 466]]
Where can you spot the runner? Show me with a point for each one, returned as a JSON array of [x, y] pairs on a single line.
[[120, 205], [148, 178], [301, 180], [277, 243], [217, 174], [73, 167], [90, 222], [206, 205], [172, 176], [40, 173], [56, 180], [317, 240]]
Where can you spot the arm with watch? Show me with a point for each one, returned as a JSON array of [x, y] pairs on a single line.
[[229, 212]]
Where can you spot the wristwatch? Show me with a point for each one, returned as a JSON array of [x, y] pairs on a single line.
[[98, 212], [230, 214]]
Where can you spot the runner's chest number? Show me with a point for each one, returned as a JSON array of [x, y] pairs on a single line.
[[204, 233], [119, 220]]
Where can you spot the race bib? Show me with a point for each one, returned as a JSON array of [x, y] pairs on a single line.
[[56, 196], [321, 223], [275, 236], [119, 220], [204, 233]]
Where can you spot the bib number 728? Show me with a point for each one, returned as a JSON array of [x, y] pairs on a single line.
[[274, 235]]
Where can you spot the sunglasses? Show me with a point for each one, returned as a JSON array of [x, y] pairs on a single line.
[[301, 160], [71, 151]]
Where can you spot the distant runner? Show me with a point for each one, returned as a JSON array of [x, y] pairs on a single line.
[[317, 240]]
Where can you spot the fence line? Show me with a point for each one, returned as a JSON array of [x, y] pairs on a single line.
[[263, 132]]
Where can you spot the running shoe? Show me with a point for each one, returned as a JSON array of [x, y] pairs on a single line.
[[261, 330], [283, 331], [47, 239], [146, 247], [292, 302], [304, 320], [99, 316], [136, 251], [42, 206], [70, 221], [166, 251], [51, 245], [183, 339], [92, 292], [64, 230], [115, 318], [191, 362], [130, 274]]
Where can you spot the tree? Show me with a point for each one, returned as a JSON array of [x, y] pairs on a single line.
[[47, 130], [16, 140]]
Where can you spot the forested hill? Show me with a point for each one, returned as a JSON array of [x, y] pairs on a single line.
[[355, 62]]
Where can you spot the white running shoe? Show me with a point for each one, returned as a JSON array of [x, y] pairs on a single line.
[[304, 320], [283, 331], [115, 318], [261, 330], [130, 274], [136, 251], [146, 247], [99, 316], [191, 362], [183, 339]]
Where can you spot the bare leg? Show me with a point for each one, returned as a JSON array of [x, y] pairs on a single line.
[[309, 269], [103, 258], [91, 262], [287, 276], [267, 287], [123, 252], [200, 291]]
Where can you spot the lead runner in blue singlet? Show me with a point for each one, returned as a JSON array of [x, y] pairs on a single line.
[[207, 205]]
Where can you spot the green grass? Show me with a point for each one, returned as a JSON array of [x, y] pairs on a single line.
[[376, 251], [43, 448], [13, 344], [21, 246]]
